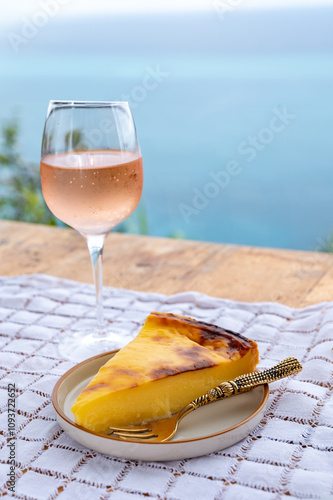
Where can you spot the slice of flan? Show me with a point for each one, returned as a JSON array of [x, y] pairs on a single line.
[[172, 360]]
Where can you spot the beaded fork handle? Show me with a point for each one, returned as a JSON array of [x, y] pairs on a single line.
[[244, 383], [164, 429]]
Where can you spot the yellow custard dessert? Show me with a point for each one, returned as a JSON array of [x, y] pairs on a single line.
[[172, 360]]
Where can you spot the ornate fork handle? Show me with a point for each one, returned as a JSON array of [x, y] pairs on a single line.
[[244, 383]]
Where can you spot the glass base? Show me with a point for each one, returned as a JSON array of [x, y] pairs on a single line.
[[78, 346]]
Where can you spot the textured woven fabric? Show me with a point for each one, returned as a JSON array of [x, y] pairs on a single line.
[[289, 455]]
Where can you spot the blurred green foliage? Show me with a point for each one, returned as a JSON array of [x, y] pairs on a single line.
[[325, 245], [21, 195]]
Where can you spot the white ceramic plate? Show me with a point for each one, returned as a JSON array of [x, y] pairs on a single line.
[[208, 429]]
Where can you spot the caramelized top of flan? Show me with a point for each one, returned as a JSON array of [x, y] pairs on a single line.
[[169, 345], [205, 334]]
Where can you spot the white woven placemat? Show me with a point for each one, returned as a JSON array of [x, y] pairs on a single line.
[[289, 455]]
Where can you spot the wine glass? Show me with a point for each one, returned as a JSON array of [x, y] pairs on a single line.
[[92, 176]]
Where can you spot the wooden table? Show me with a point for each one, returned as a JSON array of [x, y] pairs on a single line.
[[169, 266]]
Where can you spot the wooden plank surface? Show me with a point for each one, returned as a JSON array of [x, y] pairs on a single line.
[[170, 266]]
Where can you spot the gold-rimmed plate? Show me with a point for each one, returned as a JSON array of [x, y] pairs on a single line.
[[210, 428]]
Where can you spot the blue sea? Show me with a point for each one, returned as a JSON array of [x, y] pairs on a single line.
[[234, 116]]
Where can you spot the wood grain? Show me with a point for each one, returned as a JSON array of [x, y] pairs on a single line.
[[170, 266]]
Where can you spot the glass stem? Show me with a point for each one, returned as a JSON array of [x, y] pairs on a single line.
[[95, 245]]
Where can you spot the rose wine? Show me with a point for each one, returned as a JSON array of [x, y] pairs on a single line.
[[92, 191]]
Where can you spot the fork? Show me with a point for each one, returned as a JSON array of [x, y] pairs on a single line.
[[164, 429]]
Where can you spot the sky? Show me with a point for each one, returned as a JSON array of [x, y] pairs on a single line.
[[15, 10]]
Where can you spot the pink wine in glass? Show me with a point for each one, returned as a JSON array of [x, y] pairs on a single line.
[[92, 187], [93, 190]]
